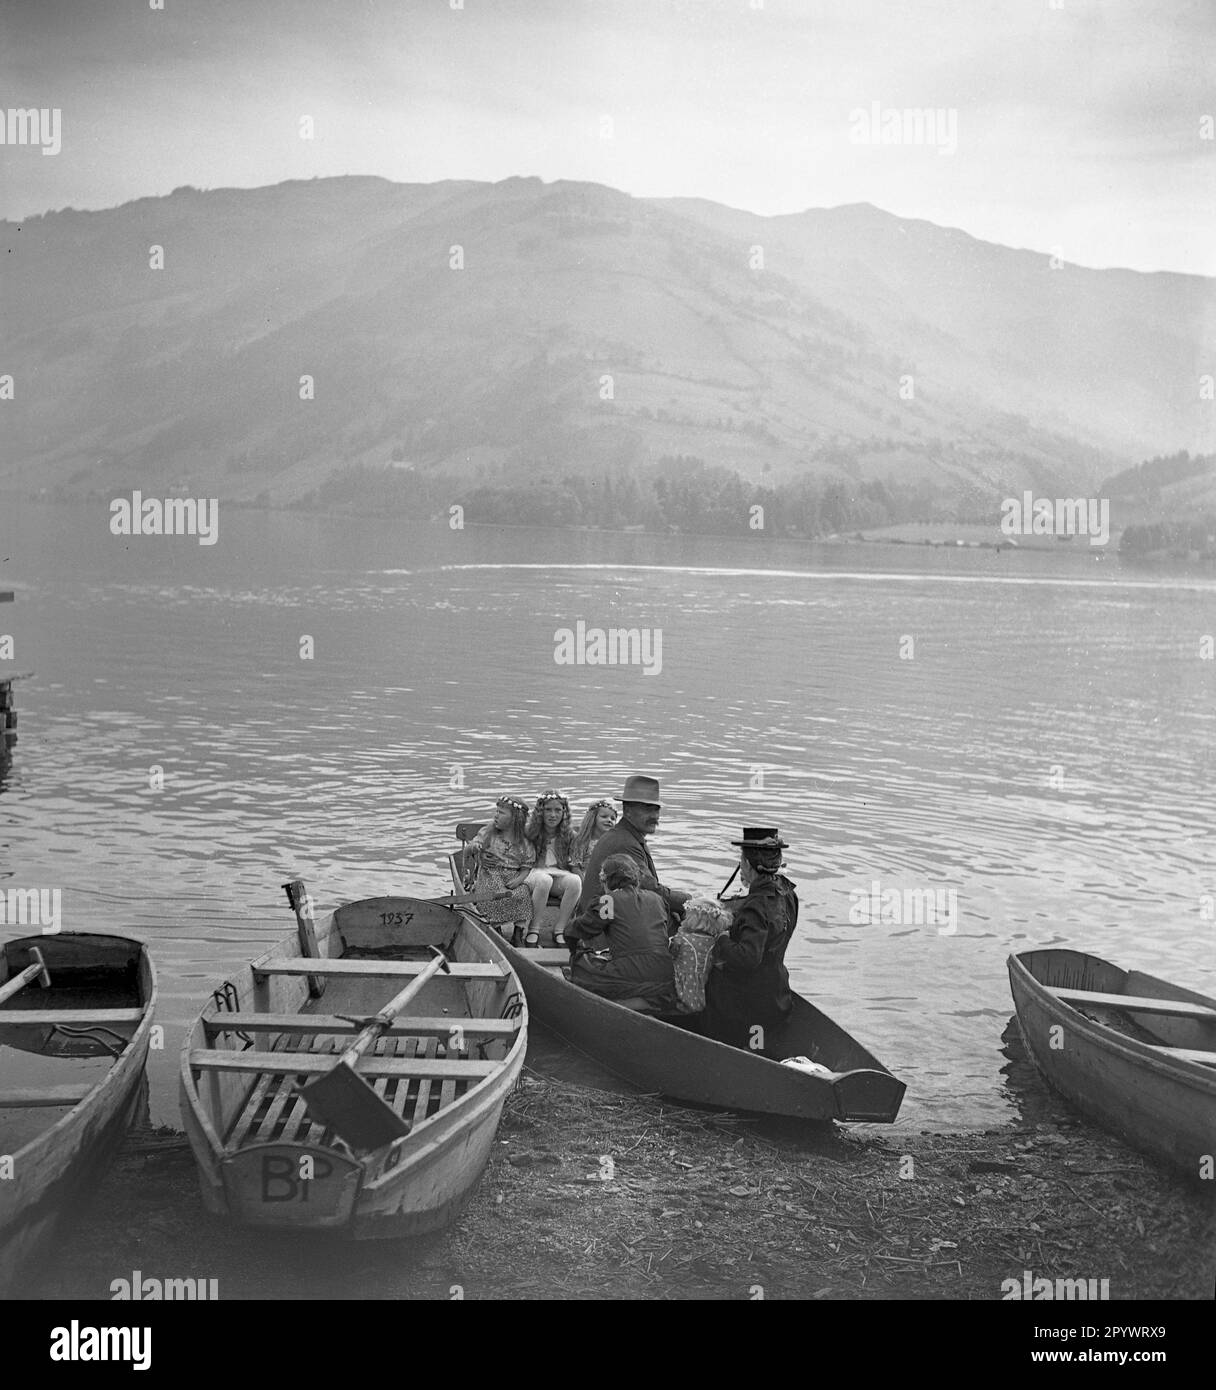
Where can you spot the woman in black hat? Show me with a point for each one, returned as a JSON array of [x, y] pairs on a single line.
[[747, 994]]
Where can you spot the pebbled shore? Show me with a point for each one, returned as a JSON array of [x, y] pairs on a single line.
[[693, 1204]]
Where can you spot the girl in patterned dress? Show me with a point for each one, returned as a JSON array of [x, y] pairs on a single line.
[[693, 949], [504, 860]]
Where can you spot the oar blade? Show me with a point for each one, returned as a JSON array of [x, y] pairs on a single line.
[[342, 1101]]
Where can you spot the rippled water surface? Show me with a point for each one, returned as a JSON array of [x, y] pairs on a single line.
[[1044, 749]]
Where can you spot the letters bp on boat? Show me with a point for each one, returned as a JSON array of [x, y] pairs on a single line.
[[1133, 1052], [74, 1036], [669, 1058], [440, 1065]]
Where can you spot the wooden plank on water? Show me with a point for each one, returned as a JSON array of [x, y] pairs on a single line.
[[305, 1024], [389, 969], [1181, 1008], [315, 1064]]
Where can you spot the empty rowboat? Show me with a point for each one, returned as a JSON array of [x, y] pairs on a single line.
[[439, 1072], [1133, 1052], [73, 1042], [670, 1058]]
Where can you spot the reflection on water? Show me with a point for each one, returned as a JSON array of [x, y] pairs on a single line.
[[1044, 749]]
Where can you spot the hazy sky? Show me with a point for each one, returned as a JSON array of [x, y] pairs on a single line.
[[1077, 127]]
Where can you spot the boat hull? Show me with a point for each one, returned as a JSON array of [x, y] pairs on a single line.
[[670, 1060], [57, 1167], [1160, 1105], [431, 1174]]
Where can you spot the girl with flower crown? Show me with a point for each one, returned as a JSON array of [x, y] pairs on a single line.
[[549, 833], [504, 860]]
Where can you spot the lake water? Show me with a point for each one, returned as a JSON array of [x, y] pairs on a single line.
[[1044, 750]]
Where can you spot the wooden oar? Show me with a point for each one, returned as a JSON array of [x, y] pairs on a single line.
[[306, 930], [37, 971], [342, 1100], [457, 899]]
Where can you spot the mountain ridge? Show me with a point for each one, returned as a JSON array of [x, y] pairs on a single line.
[[588, 329]]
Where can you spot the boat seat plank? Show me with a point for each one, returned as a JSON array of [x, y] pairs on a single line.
[[305, 965], [43, 1096], [550, 955], [305, 1024], [1186, 1054], [75, 1017], [316, 1064], [1181, 1008]]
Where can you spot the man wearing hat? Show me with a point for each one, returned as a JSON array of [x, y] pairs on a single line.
[[747, 994], [640, 806]]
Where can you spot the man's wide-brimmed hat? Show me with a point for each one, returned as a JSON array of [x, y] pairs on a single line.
[[643, 789], [761, 837]]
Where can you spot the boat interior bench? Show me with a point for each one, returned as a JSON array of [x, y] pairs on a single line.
[[318, 1063], [310, 965], [1180, 1008], [46, 1096], [19, 1017], [404, 1027]]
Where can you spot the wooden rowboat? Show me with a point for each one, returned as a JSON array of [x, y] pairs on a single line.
[[444, 1067], [72, 1060], [670, 1059], [1133, 1052]]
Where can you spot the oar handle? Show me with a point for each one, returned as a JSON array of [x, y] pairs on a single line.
[[391, 1010], [37, 971]]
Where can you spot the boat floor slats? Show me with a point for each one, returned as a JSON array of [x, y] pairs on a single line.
[[1188, 1054], [315, 1063], [1181, 1008], [283, 1098], [43, 1096], [422, 1097], [305, 1024], [305, 965], [22, 1017]]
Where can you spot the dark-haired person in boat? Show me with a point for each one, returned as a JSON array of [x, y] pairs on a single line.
[[504, 859], [550, 835], [620, 948], [598, 819], [747, 993], [640, 807]]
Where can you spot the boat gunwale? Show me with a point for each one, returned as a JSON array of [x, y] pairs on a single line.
[[1154, 1055], [377, 1166], [120, 1064]]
